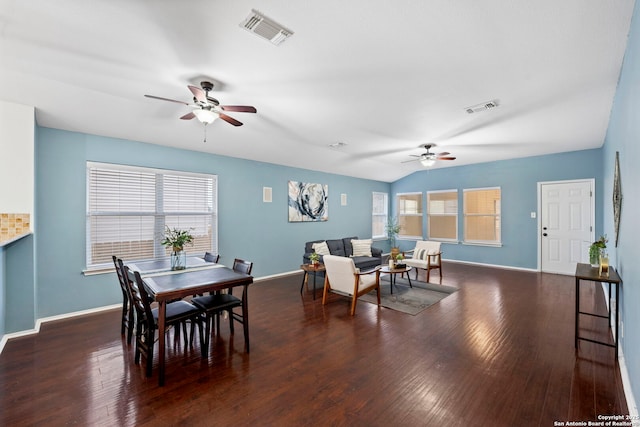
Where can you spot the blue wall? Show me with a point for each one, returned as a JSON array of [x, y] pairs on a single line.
[[17, 281], [20, 309], [518, 180], [248, 228], [624, 136]]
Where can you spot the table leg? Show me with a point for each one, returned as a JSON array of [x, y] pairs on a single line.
[[245, 316], [162, 314], [391, 281], [409, 279], [315, 273], [304, 281], [577, 310]]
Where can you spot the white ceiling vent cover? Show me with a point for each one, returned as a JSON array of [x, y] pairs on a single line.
[[482, 107], [266, 28]]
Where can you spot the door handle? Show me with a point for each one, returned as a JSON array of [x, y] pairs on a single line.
[[544, 234]]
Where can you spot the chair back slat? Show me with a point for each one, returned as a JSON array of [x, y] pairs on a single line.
[[211, 257], [138, 296], [121, 280], [242, 266]]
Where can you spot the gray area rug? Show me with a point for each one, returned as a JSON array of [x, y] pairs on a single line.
[[408, 300]]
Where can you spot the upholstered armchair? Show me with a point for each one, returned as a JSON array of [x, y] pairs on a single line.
[[342, 277], [427, 256]]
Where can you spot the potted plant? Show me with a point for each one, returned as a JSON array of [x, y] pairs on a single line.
[[399, 259], [393, 229], [314, 258], [596, 250], [176, 239]]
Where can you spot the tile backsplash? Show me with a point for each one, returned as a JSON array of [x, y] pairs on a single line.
[[13, 225]]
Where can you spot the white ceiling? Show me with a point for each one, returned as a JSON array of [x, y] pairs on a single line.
[[383, 77]]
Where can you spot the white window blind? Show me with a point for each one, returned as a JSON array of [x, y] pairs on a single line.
[[379, 215], [410, 215], [482, 223], [442, 215], [129, 208]]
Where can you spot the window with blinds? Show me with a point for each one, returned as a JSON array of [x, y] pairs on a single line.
[[379, 215], [482, 216], [410, 215], [129, 209], [442, 215]]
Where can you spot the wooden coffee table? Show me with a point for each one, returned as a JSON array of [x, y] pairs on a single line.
[[392, 274], [311, 268]]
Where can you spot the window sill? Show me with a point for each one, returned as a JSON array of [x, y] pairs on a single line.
[[491, 245]]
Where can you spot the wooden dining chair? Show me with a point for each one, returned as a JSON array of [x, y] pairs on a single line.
[[127, 318], [177, 313], [214, 305]]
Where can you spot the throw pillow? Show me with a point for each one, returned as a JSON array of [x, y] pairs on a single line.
[[321, 248], [421, 254], [361, 247]]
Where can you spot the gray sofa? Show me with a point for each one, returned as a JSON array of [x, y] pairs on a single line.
[[342, 247]]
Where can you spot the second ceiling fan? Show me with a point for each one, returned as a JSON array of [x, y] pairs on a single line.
[[207, 108], [428, 159]]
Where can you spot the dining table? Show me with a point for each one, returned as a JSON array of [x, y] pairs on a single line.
[[198, 278]]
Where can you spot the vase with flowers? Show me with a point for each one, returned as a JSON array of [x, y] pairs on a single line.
[[176, 240]]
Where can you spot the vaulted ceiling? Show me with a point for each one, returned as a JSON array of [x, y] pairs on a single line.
[[381, 77]]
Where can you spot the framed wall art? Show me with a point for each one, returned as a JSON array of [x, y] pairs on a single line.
[[617, 197], [308, 202]]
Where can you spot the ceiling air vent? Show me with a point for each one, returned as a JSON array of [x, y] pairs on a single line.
[[266, 28], [482, 107]]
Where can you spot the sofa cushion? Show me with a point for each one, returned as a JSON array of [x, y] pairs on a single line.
[[365, 263], [361, 247], [336, 247]]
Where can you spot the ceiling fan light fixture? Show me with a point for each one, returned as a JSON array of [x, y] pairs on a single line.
[[205, 116], [427, 161]]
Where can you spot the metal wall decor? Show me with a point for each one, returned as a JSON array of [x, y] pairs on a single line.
[[617, 196], [308, 202]]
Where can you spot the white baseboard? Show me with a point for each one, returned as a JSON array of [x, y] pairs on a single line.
[[481, 264], [626, 384]]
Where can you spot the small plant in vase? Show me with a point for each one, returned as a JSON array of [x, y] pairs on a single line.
[[176, 240], [596, 250], [314, 258], [399, 261], [393, 229]]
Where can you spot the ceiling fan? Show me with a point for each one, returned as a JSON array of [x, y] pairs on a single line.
[[428, 159], [205, 108]]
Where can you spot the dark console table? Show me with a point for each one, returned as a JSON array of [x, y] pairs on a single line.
[[586, 272]]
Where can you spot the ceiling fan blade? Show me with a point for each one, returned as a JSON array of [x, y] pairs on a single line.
[[198, 93], [167, 99], [446, 158], [230, 120], [409, 161], [188, 116], [444, 153], [239, 108]]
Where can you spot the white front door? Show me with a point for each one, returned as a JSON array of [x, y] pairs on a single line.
[[566, 225]]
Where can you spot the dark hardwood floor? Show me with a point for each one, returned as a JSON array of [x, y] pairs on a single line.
[[499, 352]]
